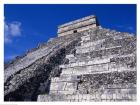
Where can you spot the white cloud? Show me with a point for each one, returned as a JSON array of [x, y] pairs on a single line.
[[130, 28], [15, 29], [7, 39], [9, 57], [126, 27], [11, 30]]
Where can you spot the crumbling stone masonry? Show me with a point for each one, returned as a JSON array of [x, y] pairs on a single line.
[[85, 63], [102, 68], [78, 25]]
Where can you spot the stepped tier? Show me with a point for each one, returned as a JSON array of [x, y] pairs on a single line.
[[90, 97], [101, 68], [93, 65], [32, 57], [37, 64], [117, 50], [97, 87], [104, 43]]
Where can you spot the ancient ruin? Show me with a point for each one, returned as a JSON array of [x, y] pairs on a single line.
[[79, 25], [84, 63]]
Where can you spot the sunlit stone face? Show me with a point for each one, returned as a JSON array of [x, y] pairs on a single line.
[[77, 26]]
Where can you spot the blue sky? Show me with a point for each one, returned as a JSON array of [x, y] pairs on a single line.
[[28, 25]]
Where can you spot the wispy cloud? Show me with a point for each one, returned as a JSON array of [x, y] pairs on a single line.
[[11, 30], [9, 57], [130, 28], [126, 27]]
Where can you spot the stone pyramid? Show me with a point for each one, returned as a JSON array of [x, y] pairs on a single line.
[[84, 63]]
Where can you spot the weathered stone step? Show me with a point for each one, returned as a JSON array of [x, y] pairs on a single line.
[[113, 58], [103, 34], [105, 43], [65, 78], [71, 58], [65, 92], [105, 52], [77, 64], [90, 43], [122, 96], [85, 38], [88, 58], [104, 68], [63, 87], [90, 49]]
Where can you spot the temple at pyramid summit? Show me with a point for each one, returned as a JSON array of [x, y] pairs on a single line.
[[86, 62], [79, 25]]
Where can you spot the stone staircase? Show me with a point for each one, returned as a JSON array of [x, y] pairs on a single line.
[[103, 68], [23, 76]]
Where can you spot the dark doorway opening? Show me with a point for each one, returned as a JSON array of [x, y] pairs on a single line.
[[75, 31]]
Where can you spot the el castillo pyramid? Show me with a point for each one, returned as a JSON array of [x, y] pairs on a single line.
[[84, 63]]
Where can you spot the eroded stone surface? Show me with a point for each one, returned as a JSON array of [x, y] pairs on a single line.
[[102, 70], [96, 64]]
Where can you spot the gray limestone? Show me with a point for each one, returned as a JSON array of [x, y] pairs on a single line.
[[92, 64], [77, 26]]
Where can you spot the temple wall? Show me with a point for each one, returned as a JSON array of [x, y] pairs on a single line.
[[78, 30], [77, 26]]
